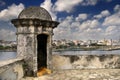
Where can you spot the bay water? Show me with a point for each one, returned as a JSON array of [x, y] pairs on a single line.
[[11, 55]]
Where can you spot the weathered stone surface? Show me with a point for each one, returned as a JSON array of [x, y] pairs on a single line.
[[11, 61], [86, 61], [66, 70], [11, 69], [87, 74], [34, 23], [35, 12], [34, 30]]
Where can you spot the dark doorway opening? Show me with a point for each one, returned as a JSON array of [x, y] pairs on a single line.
[[42, 51]]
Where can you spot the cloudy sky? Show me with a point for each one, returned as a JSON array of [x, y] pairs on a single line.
[[79, 19]]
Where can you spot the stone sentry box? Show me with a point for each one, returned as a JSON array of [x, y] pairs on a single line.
[[34, 38]]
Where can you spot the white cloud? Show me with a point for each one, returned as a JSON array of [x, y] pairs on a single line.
[[89, 24], [117, 7], [89, 2], [6, 29], [92, 2], [66, 5], [2, 3], [83, 28], [11, 12], [110, 28], [94, 23], [112, 24], [112, 32], [64, 29], [95, 33], [7, 35], [69, 28], [47, 4], [81, 17], [104, 13], [113, 20]]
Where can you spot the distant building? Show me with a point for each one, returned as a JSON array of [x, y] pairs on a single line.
[[8, 43]]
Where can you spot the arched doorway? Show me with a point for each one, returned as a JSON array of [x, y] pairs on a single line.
[[42, 50]]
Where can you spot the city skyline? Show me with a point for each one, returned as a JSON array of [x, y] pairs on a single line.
[[79, 19]]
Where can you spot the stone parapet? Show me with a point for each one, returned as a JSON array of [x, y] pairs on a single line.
[[105, 61], [9, 62], [11, 69]]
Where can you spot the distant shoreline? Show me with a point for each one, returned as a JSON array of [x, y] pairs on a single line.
[[73, 49], [8, 50]]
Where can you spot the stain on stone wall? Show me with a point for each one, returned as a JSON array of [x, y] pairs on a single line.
[[72, 58]]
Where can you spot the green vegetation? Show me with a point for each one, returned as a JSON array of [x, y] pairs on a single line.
[[7, 48], [2, 47]]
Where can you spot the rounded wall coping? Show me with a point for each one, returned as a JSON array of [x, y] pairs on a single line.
[[35, 22], [7, 62]]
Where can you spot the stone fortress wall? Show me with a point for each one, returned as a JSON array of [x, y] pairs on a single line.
[[104, 61], [68, 67]]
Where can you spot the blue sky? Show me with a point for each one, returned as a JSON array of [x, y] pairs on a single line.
[[79, 19]]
